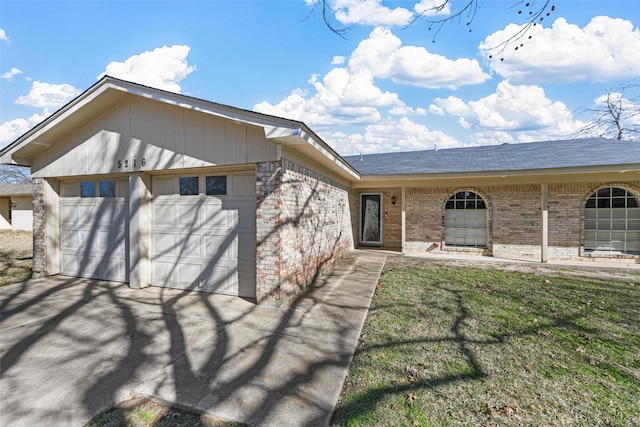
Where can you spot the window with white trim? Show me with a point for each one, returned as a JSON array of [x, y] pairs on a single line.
[[465, 220], [612, 222]]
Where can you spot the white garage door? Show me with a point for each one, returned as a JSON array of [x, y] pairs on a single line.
[[204, 233], [94, 229]]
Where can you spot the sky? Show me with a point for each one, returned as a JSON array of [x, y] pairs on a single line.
[[389, 83]]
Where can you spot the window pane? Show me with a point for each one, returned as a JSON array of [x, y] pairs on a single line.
[[591, 203], [481, 204], [108, 188], [618, 192], [189, 186], [216, 185], [605, 192], [617, 202], [632, 202], [603, 203], [88, 189]]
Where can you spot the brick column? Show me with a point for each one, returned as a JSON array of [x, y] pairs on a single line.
[[268, 229], [39, 268]]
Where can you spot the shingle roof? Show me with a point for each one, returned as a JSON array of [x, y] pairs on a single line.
[[16, 189], [505, 157]]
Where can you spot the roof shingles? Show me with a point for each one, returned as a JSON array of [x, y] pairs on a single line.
[[505, 157]]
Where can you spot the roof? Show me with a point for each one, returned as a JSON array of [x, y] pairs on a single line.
[[16, 189], [108, 90], [547, 155]]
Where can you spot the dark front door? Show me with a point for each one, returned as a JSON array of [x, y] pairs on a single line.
[[371, 219]]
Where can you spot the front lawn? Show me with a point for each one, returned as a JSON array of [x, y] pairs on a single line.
[[15, 256], [445, 345]]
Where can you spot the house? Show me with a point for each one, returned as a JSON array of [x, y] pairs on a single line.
[[147, 187], [16, 207]]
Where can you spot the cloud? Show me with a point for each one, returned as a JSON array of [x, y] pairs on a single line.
[[388, 136], [47, 95], [369, 12], [349, 94], [338, 60], [432, 7], [385, 56], [9, 75], [11, 130], [514, 113], [374, 13], [162, 68], [605, 49], [3, 35]]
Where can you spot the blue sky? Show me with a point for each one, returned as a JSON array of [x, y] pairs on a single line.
[[384, 87]]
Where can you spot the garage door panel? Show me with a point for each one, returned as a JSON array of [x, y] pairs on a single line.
[[222, 279], [69, 240], [164, 215], [110, 241], [189, 275], [164, 272], [221, 247], [216, 217], [188, 215], [165, 243], [190, 245]]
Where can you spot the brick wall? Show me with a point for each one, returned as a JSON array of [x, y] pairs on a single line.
[[303, 225], [514, 226], [39, 229]]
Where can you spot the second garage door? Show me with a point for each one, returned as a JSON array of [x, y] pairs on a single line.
[[204, 233]]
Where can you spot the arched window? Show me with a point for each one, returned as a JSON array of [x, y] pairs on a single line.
[[612, 221], [465, 220]]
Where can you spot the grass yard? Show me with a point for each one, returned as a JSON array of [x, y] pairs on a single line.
[[445, 345], [15, 256]]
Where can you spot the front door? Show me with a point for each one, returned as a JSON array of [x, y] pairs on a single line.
[[371, 219]]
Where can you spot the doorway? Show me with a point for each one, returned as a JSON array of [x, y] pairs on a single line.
[[371, 219]]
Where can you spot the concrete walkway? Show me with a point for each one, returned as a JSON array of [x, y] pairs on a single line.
[[70, 348]]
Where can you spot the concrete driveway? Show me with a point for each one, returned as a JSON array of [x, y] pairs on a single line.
[[70, 348]]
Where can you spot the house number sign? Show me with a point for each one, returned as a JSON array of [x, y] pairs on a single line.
[[126, 163]]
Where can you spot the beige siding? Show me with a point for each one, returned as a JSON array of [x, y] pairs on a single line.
[[165, 136]]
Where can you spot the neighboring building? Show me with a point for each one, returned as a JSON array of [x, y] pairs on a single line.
[[16, 207], [143, 186]]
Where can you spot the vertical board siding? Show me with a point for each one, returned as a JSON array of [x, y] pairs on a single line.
[[166, 136]]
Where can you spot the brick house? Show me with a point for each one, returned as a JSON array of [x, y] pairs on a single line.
[[147, 187]]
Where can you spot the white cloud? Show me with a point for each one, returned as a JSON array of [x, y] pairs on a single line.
[[369, 12], [47, 95], [11, 130], [338, 60], [432, 7], [3, 35], [383, 53], [349, 94], [388, 136], [514, 113], [605, 49], [162, 68], [9, 75]]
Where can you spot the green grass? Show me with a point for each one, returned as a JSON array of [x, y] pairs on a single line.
[[458, 346]]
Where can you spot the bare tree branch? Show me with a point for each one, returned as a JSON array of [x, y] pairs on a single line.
[[617, 117], [534, 10], [12, 174]]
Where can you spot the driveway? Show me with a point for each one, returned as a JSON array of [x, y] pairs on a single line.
[[70, 348]]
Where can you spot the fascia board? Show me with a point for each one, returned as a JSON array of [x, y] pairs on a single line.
[[623, 169]]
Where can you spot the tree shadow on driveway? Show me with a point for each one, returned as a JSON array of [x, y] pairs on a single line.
[[71, 348]]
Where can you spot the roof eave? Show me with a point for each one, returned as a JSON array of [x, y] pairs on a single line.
[[620, 168]]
